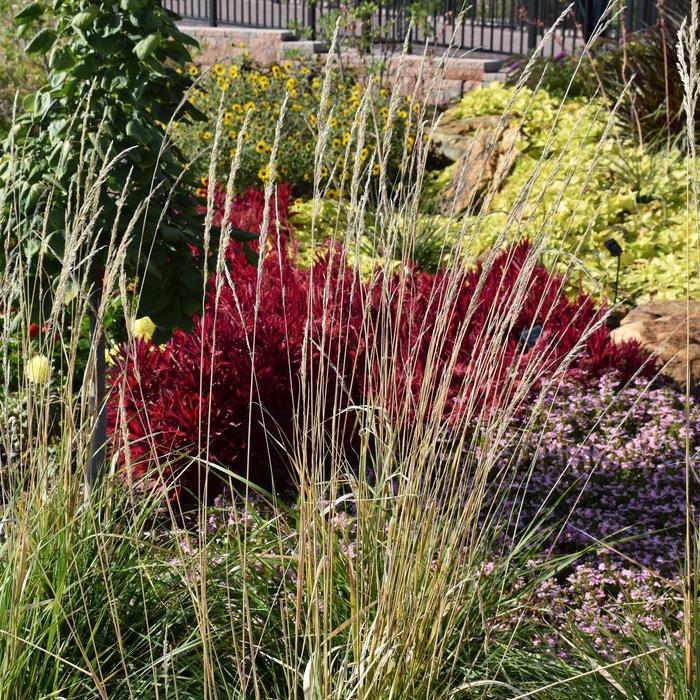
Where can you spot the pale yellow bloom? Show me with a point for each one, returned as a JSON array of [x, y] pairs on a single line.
[[38, 369], [143, 328]]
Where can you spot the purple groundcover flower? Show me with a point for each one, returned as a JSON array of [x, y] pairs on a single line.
[[610, 465]]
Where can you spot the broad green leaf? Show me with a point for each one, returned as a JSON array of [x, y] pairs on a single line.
[[147, 46], [29, 13], [42, 42]]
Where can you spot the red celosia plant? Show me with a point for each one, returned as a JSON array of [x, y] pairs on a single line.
[[230, 390]]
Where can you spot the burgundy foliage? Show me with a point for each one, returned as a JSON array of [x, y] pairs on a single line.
[[280, 320]]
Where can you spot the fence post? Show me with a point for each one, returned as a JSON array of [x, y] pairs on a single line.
[[311, 19], [213, 13], [532, 27]]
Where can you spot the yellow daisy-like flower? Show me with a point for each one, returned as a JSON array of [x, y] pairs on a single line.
[[206, 136], [200, 192], [38, 369], [305, 71], [333, 122], [228, 119], [233, 152], [193, 71], [291, 83], [363, 154], [294, 93], [233, 135], [233, 71], [324, 171], [383, 92], [376, 169], [287, 65], [346, 138], [416, 107], [264, 173], [260, 147], [336, 143], [332, 194], [245, 135], [223, 84], [264, 82], [409, 142], [384, 111], [312, 120], [237, 108], [402, 114], [219, 69], [143, 328], [315, 83], [307, 177], [249, 106], [276, 72]]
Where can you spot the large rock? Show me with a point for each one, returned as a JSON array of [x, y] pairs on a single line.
[[483, 163], [662, 328], [453, 135]]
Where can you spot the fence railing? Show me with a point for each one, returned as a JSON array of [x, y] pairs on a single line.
[[494, 26]]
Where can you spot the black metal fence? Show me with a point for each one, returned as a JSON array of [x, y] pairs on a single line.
[[494, 26]]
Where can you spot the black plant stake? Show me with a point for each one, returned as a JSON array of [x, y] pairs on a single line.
[[614, 249]]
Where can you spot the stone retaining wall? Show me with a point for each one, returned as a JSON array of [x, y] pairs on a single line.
[[441, 80]]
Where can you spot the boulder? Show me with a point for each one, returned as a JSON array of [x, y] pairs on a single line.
[[485, 161], [454, 133], [662, 326]]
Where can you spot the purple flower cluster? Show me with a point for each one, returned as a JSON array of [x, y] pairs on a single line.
[[610, 465], [607, 603]]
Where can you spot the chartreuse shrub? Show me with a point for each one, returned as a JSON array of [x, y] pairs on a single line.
[[245, 86], [586, 181]]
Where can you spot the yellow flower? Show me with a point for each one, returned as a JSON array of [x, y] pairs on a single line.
[[307, 177], [223, 84], [294, 93], [298, 201], [336, 143], [233, 71], [237, 108], [332, 194], [264, 82], [297, 107], [178, 70], [376, 169], [228, 118], [383, 92], [38, 369], [233, 135], [276, 72], [291, 83], [324, 171], [384, 112], [410, 141], [315, 83], [245, 135], [402, 114], [143, 328], [260, 147], [312, 120], [264, 173], [206, 135], [249, 105], [193, 71], [416, 107], [233, 152], [346, 138], [219, 69], [200, 192], [305, 71], [287, 65], [363, 154], [333, 122]]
